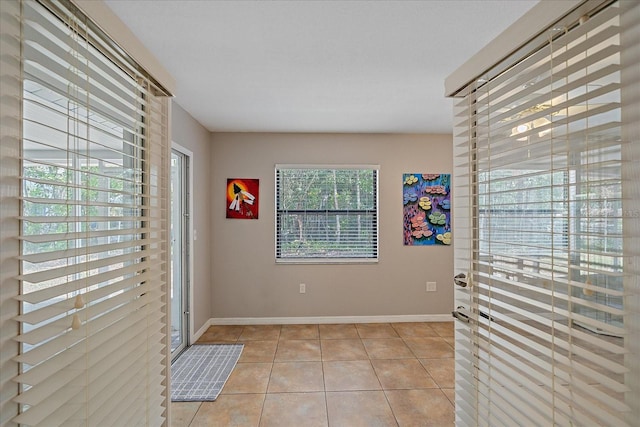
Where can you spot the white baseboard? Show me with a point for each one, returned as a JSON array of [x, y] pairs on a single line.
[[326, 319], [196, 336]]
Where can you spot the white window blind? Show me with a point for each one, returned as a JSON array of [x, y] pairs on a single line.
[[546, 174], [93, 342], [11, 90], [326, 213]]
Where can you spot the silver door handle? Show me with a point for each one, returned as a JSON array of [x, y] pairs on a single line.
[[460, 280], [460, 316]]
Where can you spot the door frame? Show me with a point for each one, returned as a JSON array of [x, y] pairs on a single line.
[[188, 155]]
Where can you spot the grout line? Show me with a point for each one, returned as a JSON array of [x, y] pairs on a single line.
[[324, 382], [194, 414]]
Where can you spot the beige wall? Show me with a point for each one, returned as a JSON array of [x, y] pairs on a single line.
[[190, 134], [246, 282]]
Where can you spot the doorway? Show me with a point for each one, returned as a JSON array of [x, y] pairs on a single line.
[[180, 250], [545, 181]]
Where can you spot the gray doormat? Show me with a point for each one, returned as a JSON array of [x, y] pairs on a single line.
[[201, 371]]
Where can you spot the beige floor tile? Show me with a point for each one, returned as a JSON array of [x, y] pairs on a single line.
[[387, 348], [376, 330], [183, 412], [298, 350], [299, 332], [258, 351], [248, 378], [350, 375], [359, 409], [221, 334], [351, 349], [294, 409], [444, 329], [429, 347], [260, 332], [347, 375], [232, 410], [402, 374], [414, 329], [451, 395], [338, 331], [421, 408], [441, 370], [292, 377]]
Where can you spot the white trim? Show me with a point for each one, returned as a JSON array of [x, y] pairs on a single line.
[[112, 25], [196, 336], [542, 15], [326, 320], [327, 260], [338, 166]]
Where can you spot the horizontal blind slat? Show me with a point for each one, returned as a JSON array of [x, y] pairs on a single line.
[[56, 309], [42, 295], [53, 273], [56, 237], [93, 317], [84, 251]]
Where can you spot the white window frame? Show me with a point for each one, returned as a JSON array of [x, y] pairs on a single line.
[[280, 259]]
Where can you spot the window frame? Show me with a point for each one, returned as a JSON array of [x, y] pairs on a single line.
[[375, 235]]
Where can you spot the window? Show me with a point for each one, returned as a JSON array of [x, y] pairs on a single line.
[[507, 214], [326, 213], [93, 229]]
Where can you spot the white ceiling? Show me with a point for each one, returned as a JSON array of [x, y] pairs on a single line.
[[316, 66]]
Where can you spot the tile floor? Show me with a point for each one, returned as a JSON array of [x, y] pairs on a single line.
[[343, 375]]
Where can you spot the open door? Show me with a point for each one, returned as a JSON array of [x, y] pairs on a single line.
[[546, 230]]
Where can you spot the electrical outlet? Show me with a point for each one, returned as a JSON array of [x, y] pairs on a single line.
[[303, 288], [431, 286]]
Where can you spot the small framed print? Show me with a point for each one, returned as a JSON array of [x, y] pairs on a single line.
[[242, 198]]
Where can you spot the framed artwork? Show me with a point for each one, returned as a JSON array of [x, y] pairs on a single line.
[[426, 209], [242, 198]]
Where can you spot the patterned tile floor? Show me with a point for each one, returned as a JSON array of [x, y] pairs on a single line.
[[346, 375]]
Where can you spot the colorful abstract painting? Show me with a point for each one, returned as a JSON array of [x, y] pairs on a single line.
[[242, 198], [427, 209]]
